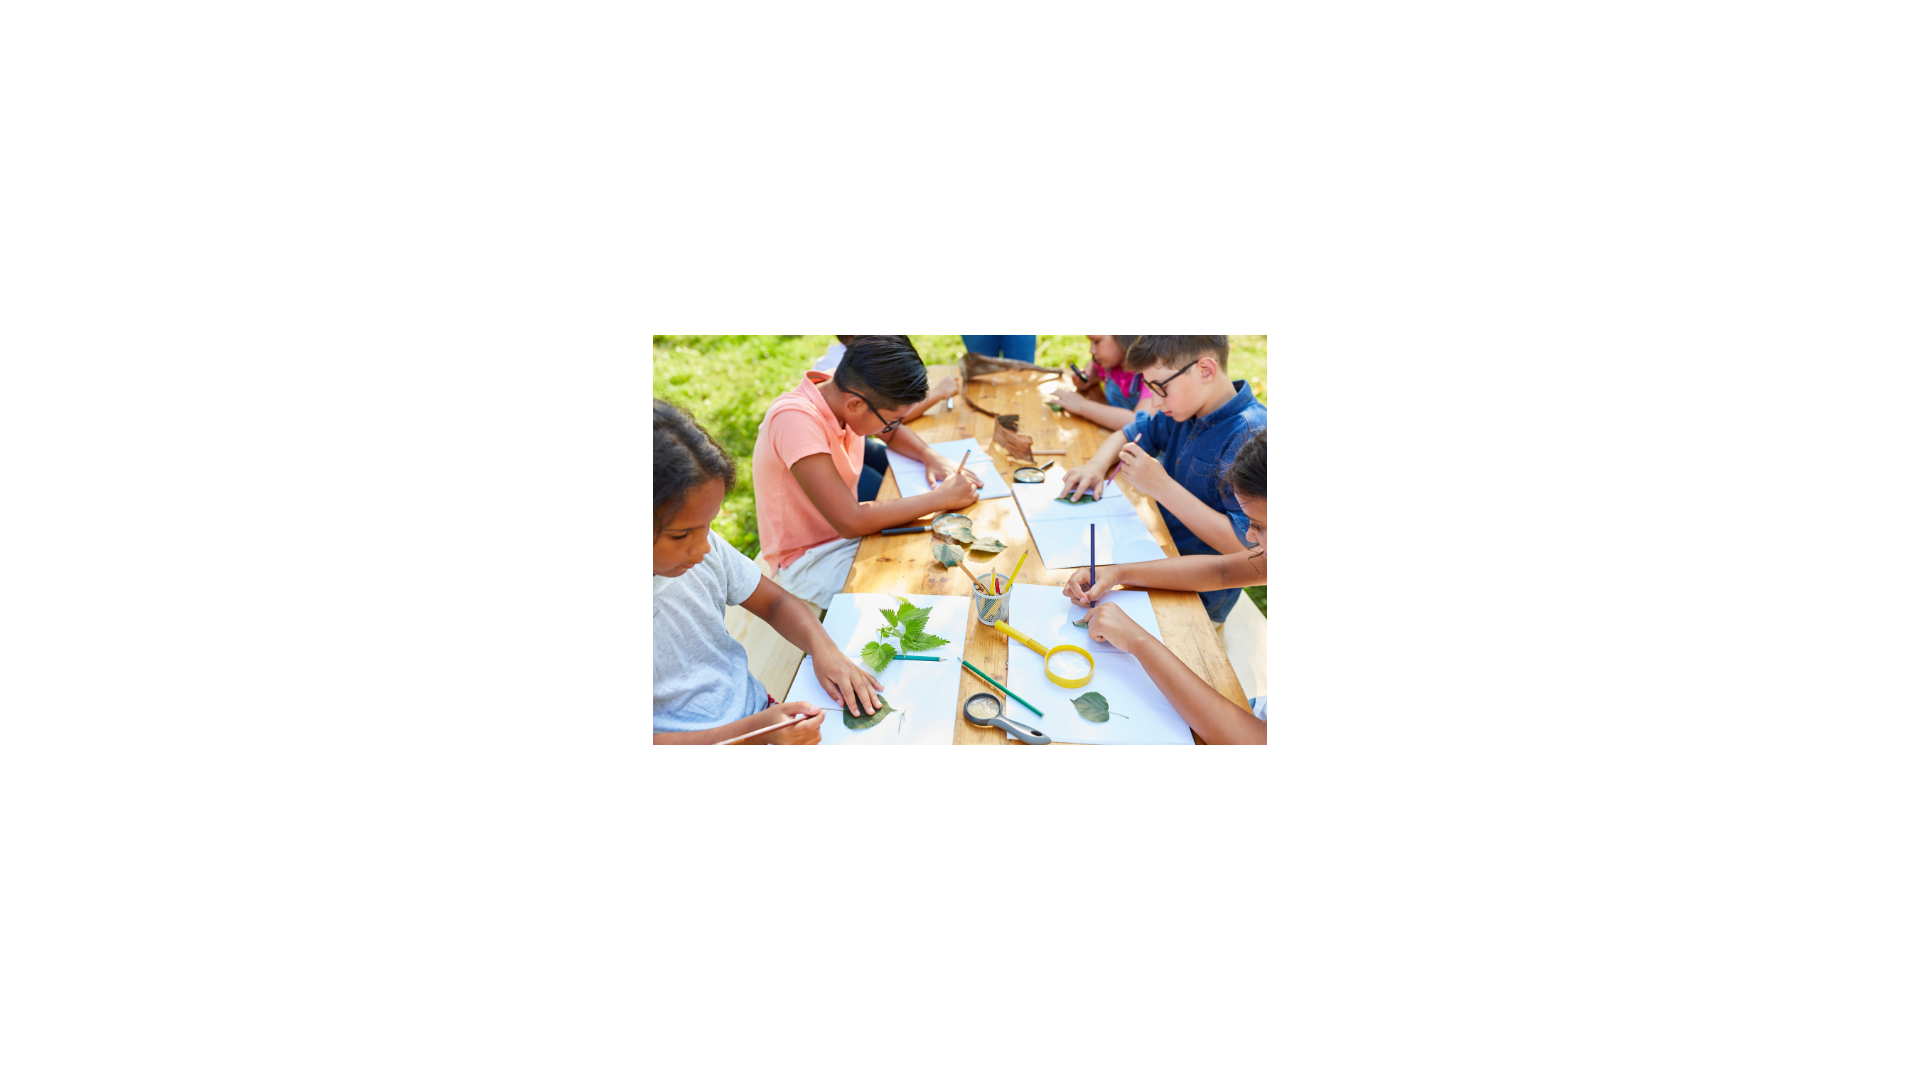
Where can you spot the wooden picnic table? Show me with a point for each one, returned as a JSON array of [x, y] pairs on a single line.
[[905, 564]]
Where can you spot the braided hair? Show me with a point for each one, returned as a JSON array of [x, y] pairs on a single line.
[[684, 457]]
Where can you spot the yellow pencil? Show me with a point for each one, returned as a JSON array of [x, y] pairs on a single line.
[[1016, 568]]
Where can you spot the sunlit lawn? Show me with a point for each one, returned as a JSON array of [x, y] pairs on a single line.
[[727, 382]]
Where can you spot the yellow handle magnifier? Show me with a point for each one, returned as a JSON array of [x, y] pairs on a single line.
[[1063, 652]]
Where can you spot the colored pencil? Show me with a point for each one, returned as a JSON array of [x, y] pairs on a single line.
[[1116, 466], [904, 656], [1093, 559], [963, 461], [1002, 689], [1022, 561]]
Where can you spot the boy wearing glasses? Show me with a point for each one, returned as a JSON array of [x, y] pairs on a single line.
[[1204, 417], [815, 474]]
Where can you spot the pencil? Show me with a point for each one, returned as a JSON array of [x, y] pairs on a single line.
[[904, 656], [963, 460], [1116, 465], [1002, 689], [764, 730], [1093, 559]]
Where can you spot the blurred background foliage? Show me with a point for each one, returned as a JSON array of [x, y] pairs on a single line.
[[727, 381]]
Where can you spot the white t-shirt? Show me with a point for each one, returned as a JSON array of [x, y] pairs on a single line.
[[700, 676], [832, 360]]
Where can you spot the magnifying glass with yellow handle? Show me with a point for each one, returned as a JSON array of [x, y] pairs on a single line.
[[1063, 662]]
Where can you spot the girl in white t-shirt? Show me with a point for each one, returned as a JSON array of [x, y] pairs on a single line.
[[702, 689]]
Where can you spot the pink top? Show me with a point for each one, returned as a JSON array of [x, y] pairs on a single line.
[[1127, 381], [799, 425]]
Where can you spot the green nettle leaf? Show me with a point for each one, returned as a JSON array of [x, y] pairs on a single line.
[[1085, 497], [989, 543], [920, 641], [1093, 706], [947, 554], [861, 723], [878, 655], [1082, 624]]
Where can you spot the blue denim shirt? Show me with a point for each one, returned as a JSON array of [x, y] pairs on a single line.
[[1196, 454]]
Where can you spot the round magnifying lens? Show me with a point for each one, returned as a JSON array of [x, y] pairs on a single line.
[[1069, 666]]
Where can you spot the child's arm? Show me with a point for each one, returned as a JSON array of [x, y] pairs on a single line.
[[838, 674], [1149, 478], [1092, 475], [1207, 711], [850, 517], [1186, 573], [945, 389], [805, 732], [1108, 416]]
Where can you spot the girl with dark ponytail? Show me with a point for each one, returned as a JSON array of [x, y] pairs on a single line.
[[1209, 712], [703, 691]]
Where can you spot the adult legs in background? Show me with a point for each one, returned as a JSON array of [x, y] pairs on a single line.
[[873, 471], [1019, 347]]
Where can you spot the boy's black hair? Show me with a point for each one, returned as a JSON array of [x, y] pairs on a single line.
[[1247, 474], [1174, 350], [684, 457], [885, 369]]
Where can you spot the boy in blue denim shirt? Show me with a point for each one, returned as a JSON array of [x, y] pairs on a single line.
[[1204, 417]]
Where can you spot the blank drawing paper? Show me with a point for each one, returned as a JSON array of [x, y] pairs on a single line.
[[1140, 713], [927, 693], [1059, 529], [911, 476]]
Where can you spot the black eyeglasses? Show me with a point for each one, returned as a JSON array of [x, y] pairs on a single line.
[[1160, 388], [891, 424]]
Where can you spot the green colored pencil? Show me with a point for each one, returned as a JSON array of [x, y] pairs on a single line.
[[904, 656], [1002, 689]]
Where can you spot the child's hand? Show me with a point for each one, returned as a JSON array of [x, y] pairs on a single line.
[[806, 732], [1137, 467], [1069, 401], [957, 491], [1078, 589], [940, 466], [1111, 624], [1092, 379], [846, 682], [944, 389], [1082, 478]]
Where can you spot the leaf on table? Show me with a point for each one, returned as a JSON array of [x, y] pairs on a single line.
[[917, 641], [947, 554], [989, 543], [861, 723], [1093, 706], [962, 537], [877, 654]]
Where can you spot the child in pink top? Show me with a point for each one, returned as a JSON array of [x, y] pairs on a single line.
[[1120, 388], [812, 455]]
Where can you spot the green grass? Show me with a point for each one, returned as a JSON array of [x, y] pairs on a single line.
[[727, 381]]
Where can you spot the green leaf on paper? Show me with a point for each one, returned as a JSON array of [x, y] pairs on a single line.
[[1085, 497], [861, 723], [878, 655], [1082, 624], [989, 543], [1093, 706]]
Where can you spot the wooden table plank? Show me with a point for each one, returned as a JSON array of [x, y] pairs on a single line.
[[905, 564]]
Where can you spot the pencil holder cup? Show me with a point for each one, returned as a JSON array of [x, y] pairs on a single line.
[[988, 606]]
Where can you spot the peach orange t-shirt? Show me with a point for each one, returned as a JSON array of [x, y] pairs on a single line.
[[799, 425]]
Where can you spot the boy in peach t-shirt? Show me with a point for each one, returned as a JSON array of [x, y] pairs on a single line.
[[811, 456]]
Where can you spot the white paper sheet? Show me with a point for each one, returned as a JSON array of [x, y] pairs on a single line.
[[1039, 502], [1140, 713], [911, 475], [926, 693], [1063, 544]]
